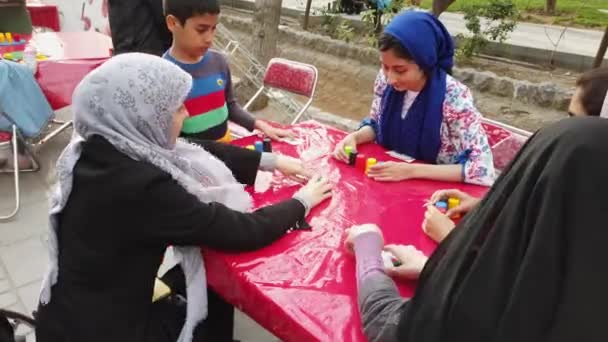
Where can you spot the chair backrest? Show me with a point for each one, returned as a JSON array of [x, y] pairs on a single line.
[[5, 136], [291, 76], [22, 102], [505, 141]]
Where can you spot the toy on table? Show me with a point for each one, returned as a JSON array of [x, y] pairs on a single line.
[[259, 146], [352, 158], [351, 154], [369, 163], [442, 206], [9, 39], [267, 145], [360, 162], [390, 260], [17, 56], [348, 150], [453, 203]]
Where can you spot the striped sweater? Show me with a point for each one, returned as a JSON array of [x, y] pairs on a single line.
[[211, 102]]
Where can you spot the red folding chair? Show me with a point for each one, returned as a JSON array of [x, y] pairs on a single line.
[[290, 76], [505, 141]]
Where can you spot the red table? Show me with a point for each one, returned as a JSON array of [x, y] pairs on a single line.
[[71, 56], [44, 15], [302, 288]]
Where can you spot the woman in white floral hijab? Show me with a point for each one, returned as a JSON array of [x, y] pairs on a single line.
[[127, 189]]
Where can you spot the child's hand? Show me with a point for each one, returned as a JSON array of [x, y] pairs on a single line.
[[436, 225], [412, 261], [354, 231], [292, 168], [467, 202], [392, 171], [339, 153], [272, 132]]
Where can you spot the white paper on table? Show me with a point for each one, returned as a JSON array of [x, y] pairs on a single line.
[[400, 156]]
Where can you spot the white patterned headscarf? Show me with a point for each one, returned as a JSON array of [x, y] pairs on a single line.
[[130, 101]]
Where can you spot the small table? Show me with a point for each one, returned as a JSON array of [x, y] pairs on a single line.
[[72, 55]]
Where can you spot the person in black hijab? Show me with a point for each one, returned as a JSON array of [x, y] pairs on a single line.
[[590, 99], [528, 265], [138, 26]]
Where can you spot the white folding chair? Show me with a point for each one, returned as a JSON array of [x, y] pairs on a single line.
[[42, 126]]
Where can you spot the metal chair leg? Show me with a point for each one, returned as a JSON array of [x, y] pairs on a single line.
[[16, 177]]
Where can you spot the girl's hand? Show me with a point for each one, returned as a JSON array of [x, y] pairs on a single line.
[[339, 153], [392, 171], [436, 225], [467, 202]]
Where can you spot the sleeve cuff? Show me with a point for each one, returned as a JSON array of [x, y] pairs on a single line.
[[268, 161], [370, 122], [304, 203]]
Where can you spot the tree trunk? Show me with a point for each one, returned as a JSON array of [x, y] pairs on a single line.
[[439, 6], [307, 14], [601, 52], [266, 29], [550, 6]]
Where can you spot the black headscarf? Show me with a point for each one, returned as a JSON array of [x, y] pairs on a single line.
[[530, 263]]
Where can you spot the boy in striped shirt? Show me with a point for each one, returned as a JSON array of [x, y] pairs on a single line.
[[211, 102]]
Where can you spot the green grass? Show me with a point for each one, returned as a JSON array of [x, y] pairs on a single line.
[[582, 13]]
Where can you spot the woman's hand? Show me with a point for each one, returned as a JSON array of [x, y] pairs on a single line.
[[392, 171], [436, 225], [412, 261], [354, 231], [467, 202], [314, 192], [339, 153], [292, 168]]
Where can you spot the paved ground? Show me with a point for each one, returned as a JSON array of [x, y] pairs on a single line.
[[22, 242]]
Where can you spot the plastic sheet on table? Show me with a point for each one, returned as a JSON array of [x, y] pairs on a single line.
[[302, 287]]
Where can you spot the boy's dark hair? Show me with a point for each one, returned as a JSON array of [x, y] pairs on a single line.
[[186, 9], [388, 42], [594, 85]]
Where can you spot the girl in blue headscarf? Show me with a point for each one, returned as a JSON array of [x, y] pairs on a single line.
[[421, 111]]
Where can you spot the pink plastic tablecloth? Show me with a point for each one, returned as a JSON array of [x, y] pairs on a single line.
[[302, 288]]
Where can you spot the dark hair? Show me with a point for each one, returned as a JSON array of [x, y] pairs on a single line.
[[594, 85], [186, 9], [388, 42]]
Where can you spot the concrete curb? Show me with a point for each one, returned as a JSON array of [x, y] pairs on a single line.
[[543, 94], [333, 120]]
